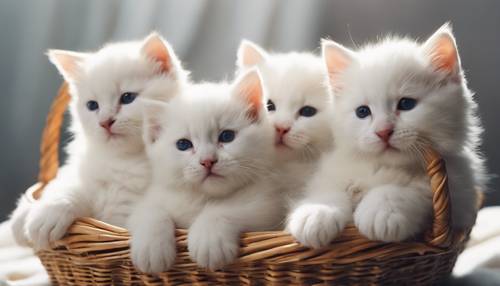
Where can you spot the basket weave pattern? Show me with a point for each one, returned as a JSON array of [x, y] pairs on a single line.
[[96, 253]]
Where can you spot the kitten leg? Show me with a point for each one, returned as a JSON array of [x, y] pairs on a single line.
[[213, 241], [317, 220], [320, 217], [49, 219], [213, 238], [393, 213], [152, 244], [18, 221]]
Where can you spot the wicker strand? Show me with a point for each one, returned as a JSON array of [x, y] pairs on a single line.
[[440, 234], [49, 152]]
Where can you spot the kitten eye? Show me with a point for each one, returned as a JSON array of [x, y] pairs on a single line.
[[128, 97], [183, 144], [270, 105], [307, 111], [92, 105], [227, 136], [406, 103], [363, 111]]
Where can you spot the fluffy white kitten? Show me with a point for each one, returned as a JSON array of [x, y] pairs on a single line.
[[297, 98], [299, 108], [107, 169], [393, 99], [211, 151]]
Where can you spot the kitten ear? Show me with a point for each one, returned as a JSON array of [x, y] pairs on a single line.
[[68, 63], [157, 49], [441, 49], [249, 54], [337, 59], [249, 88], [153, 111]]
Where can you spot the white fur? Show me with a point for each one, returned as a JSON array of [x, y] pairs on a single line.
[[105, 175], [17, 219], [214, 209], [292, 81], [389, 189]]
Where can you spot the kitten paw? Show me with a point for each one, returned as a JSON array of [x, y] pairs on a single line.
[[316, 225], [153, 254], [48, 222], [212, 244], [389, 215]]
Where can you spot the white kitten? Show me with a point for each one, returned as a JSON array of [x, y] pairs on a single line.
[[392, 100], [211, 150], [297, 99], [107, 169], [299, 107]]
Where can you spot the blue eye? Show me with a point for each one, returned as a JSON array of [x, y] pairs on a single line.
[[226, 136], [128, 97], [183, 144], [270, 105], [307, 111], [92, 105], [406, 103], [363, 111]]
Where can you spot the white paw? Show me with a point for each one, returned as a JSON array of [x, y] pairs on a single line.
[[48, 222], [388, 215], [153, 254], [316, 225], [18, 221], [212, 245]]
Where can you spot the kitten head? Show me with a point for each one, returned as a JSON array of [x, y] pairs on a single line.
[[105, 85], [213, 139], [397, 96], [297, 99]]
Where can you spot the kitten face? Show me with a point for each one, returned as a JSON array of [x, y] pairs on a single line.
[[220, 140], [297, 100], [108, 84], [393, 98]]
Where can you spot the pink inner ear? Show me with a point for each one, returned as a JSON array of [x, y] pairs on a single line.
[[250, 55], [255, 103], [250, 88], [156, 49], [337, 62], [444, 55], [67, 63]]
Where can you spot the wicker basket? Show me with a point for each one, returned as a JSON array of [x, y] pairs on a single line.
[[96, 253]]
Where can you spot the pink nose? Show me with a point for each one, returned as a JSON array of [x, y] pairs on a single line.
[[208, 163], [385, 134], [281, 130], [107, 124]]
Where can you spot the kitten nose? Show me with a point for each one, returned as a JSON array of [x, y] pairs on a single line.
[[208, 163], [107, 124], [281, 130], [385, 134]]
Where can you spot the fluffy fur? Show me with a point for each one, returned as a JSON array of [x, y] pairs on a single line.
[[384, 182], [293, 81], [107, 170], [215, 208]]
